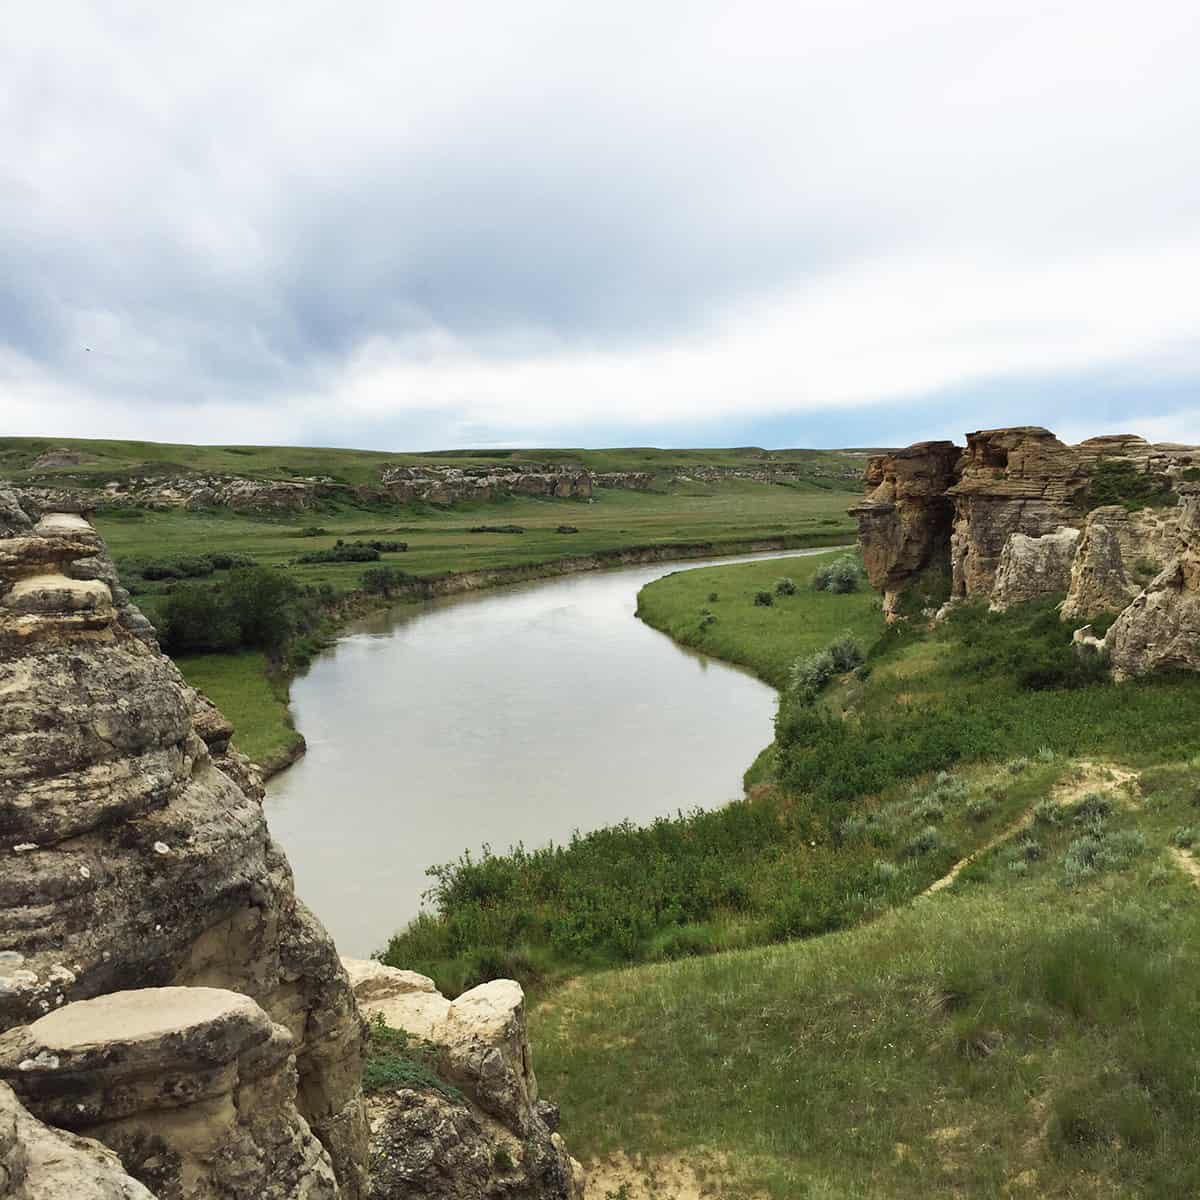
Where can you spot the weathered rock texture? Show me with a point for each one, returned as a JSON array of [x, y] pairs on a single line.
[[194, 1088], [131, 858], [1160, 630], [502, 1140], [40, 1163], [904, 521], [1118, 554], [1011, 516], [445, 485], [1032, 567]]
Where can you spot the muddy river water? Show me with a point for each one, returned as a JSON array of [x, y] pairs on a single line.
[[520, 714]]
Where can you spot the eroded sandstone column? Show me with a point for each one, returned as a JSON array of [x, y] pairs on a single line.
[[131, 859]]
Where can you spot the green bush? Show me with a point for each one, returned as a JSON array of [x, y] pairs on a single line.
[[197, 620], [763, 599], [254, 607], [384, 581], [785, 587], [841, 576], [1118, 482]]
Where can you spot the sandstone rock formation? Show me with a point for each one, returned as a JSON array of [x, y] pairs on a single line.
[[131, 859], [1118, 554], [194, 1088], [40, 1163], [1018, 499], [446, 485], [1160, 629], [1032, 567], [904, 520], [502, 1139]]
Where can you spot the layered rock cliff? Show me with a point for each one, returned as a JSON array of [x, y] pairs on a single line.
[[1018, 515], [132, 860]]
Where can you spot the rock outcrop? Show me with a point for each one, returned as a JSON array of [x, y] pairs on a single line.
[[1118, 555], [1160, 629], [193, 1088], [904, 521], [1015, 518], [132, 859], [40, 1163], [1032, 567], [500, 1139], [446, 485]]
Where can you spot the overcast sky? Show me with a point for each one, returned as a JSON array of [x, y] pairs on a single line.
[[408, 225]]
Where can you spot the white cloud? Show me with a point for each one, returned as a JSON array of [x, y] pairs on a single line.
[[527, 220]]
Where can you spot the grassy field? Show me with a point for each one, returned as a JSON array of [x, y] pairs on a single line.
[[100, 459], [767, 639], [254, 699], [1031, 1031]]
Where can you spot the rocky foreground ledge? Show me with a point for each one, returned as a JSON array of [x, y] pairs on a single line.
[[174, 1023], [1010, 518]]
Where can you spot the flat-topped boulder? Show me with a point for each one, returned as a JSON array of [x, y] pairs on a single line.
[[193, 1088]]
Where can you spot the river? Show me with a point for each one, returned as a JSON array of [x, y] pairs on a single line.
[[519, 714]]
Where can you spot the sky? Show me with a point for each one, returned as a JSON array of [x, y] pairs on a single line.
[[398, 225]]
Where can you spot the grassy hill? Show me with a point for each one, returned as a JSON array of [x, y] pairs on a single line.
[[95, 461]]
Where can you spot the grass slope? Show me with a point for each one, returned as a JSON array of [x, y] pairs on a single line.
[[1029, 1032]]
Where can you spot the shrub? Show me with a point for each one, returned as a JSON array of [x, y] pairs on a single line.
[[785, 587], [566, 529], [927, 841], [812, 672], [341, 552], [712, 597], [160, 570], [496, 529], [707, 618], [763, 599], [1116, 482], [223, 561], [1097, 852], [845, 653], [383, 581], [980, 808], [198, 619], [397, 1060], [841, 576], [1047, 812], [1185, 837]]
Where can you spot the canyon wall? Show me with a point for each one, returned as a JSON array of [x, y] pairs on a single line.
[[1017, 515]]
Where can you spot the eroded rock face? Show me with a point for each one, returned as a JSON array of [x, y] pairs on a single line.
[[194, 1088], [1160, 629], [1021, 480], [40, 1163], [1012, 496], [905, 518], [503, 1140], [1033, 567], [1118, 554], [133, 859]]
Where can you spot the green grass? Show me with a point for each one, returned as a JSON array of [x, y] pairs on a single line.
[[765, 639], [241, 686], [109, 459], [1011, 1037]]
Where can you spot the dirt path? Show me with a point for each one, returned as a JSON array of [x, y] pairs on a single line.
[[1083, 778], [1186, 863]]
